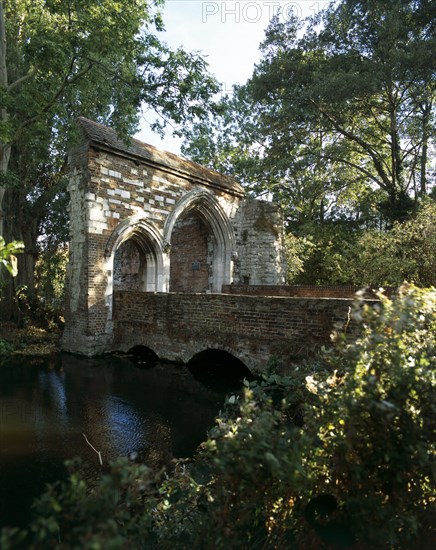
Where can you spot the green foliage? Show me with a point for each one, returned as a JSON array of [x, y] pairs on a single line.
[[5, 347], [7, 255], [113, 514], [337, 254], [298, 250], [323, 252], [406, 252], [239, 488], [103, 59], [376, 428], [337, 116], [50, 282], [339, 454]]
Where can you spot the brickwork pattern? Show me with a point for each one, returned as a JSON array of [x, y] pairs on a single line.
[[107, 188], [176, 214], [189, 266], [304, 291], [252, 328]]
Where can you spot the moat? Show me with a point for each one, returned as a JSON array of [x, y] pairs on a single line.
[[151, 411]]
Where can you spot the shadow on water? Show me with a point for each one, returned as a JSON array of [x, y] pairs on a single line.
[[219, 370], [123, 405], [142, 357]]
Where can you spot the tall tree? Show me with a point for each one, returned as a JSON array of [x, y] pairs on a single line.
[[341, 108], [64, 58]]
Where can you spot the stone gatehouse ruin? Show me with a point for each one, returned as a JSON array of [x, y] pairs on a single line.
[[149, 221]]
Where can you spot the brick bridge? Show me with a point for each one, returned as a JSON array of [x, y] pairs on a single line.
[[167, 254], [254, 329]]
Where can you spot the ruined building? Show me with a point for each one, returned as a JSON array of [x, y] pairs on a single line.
[[145, 220]]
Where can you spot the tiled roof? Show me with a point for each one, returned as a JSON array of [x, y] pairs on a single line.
[[107, 138]]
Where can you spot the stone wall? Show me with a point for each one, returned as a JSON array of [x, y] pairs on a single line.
[[260, 244], [252, 328]]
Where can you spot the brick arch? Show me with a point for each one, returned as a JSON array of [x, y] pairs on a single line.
[[205, 204], [114, 189], [149, 241], [211, 347]]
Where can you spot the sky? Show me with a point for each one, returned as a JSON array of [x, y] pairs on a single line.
[[228, 34]]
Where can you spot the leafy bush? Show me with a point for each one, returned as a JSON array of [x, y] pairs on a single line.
[[406, 252], [50, 273], [113, 514], [5, 347], [376, 428], [238, 492], [338, 254], [360, 473], [340, 454], [7, 254]]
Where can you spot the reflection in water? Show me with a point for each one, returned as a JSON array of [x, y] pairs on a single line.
[[52, 385], [127, 428], [156, 413]]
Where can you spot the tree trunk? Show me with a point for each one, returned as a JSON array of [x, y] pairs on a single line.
[[6, 280], [21, 224], [426, 110], [5, 154], [5, 148]]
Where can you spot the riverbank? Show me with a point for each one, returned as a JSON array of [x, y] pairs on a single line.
[[28, 340]]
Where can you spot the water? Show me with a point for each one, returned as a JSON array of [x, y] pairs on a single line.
[[47, 406]]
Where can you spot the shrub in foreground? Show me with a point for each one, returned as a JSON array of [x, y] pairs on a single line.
[[376, 427], [338, 455]]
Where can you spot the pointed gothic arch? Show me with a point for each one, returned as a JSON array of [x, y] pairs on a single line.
[[206, 206], [154, 272]]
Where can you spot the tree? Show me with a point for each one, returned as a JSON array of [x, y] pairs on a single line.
[[64, 58], [339, 113]]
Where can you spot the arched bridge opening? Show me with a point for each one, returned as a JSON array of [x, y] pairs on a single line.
[[142, 356], [219, 370]]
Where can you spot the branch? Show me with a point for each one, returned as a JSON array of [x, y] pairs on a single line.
[[108, 70], [365, 146], [22, 79], [66, 82], [94, 449], [357, 166]]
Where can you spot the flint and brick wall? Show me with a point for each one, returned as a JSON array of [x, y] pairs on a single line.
[[259, 235], [254, 329]]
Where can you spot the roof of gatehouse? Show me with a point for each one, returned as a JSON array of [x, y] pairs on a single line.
[[107, 139]]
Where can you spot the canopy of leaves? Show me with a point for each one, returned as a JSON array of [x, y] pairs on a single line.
[[100, 59], [338, 117]]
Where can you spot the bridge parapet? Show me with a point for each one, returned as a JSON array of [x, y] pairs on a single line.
[[306, 291], [255, 329]]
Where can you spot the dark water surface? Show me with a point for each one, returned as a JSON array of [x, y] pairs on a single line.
[[158, 412]]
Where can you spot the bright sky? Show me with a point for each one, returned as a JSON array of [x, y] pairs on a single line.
[[228, 33]]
